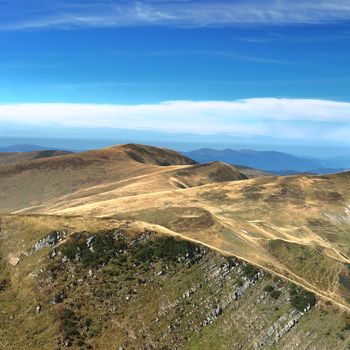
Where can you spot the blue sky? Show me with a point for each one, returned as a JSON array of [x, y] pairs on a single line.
[[266, 70]]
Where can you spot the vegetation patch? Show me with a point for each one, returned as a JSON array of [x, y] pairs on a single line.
[[275, 294], [344, 279], [71, 325], [250, 271], [300, 298], [167, 249], [289, 191], [95, 250], [99, 250], [308, 261], [253, 192], [4, 284], [326, 229], [269, 288], [328, 196], [218, 196], [135, 157]]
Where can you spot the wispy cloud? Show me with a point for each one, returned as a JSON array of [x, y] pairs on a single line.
[[223, 54], [65, 14], [292, 119]]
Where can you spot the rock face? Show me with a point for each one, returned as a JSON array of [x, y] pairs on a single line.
[[48, 241], [13, 260], [59, 297], [38, 309], [106, 290], [279, 328]]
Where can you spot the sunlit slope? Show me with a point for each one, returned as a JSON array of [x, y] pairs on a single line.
[[33, 182], [297, 226], [125, 170]]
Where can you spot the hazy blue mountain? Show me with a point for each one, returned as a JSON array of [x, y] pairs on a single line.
[[27, 148], [265, 160], [22, 148], [342, 161], [319, 171]]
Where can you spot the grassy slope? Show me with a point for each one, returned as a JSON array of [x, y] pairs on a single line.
[[8, 158], [242, 218], [297, 216], [133, 306], [252, 172], [117, 171]]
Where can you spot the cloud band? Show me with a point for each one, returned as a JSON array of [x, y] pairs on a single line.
[[297, 119], [65, 14]]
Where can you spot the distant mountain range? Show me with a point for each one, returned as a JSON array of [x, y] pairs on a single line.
[[276, 162], [28, 148], [271, 161], [343, 161], [24, 148]]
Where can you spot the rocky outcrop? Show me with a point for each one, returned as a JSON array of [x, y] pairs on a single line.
[[158, 294], [50, 240]]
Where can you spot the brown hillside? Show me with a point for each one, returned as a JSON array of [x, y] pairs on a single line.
[[296, 226], [118, 171], [154, 155], [18, 157], [252, 173]]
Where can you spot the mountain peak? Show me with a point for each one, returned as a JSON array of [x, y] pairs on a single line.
[[153, 155]]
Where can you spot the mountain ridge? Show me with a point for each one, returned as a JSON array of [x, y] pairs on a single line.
[[27, 148], [103, 223], [273, 222], [126, 168], [264, 160], [10, 158]]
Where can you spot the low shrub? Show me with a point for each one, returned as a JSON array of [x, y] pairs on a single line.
[[166, 249], [275, 294], [250, 271], [346, 327], [69, 323], [104, 247], [301, 299], [269, 288], [4, 284]]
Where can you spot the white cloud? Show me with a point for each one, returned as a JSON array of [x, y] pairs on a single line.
[[76, 14], [296, 119]]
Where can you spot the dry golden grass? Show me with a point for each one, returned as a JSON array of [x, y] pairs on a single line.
[[7, 158], [296, 226]]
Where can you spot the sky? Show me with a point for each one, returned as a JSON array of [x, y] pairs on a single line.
[[243, 74]]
